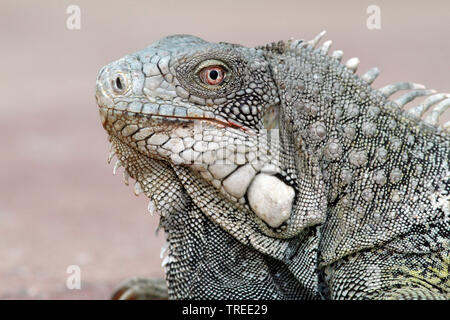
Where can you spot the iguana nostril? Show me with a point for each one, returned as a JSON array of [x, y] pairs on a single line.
[[119, 83]]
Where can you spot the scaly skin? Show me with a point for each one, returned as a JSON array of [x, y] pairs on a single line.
[[290, 178]]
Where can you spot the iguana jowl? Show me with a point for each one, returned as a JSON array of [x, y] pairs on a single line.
[[279, 173]]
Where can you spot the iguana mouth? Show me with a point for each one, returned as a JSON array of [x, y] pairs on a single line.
[[219, 122]]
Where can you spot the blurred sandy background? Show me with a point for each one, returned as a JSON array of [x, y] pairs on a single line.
[[59, 202]]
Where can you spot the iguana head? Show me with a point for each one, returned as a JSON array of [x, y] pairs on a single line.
[[213, 108]]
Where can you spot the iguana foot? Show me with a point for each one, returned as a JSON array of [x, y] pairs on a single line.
[[141, 289]]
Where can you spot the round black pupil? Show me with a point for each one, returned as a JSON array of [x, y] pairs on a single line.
[[213, 74], [119, 84]]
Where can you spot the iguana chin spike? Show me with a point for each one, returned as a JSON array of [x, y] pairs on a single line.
[[117, 165], [137, 189], [163, 251], [151, 208], [165, 261], [126, 177], [111, 155]]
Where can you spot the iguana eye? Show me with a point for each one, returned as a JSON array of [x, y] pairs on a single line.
[[212, 75]]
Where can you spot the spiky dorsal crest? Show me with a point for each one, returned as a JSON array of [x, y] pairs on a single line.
[[438, 103]]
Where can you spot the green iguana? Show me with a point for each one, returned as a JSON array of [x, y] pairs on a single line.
[[279, 173]]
